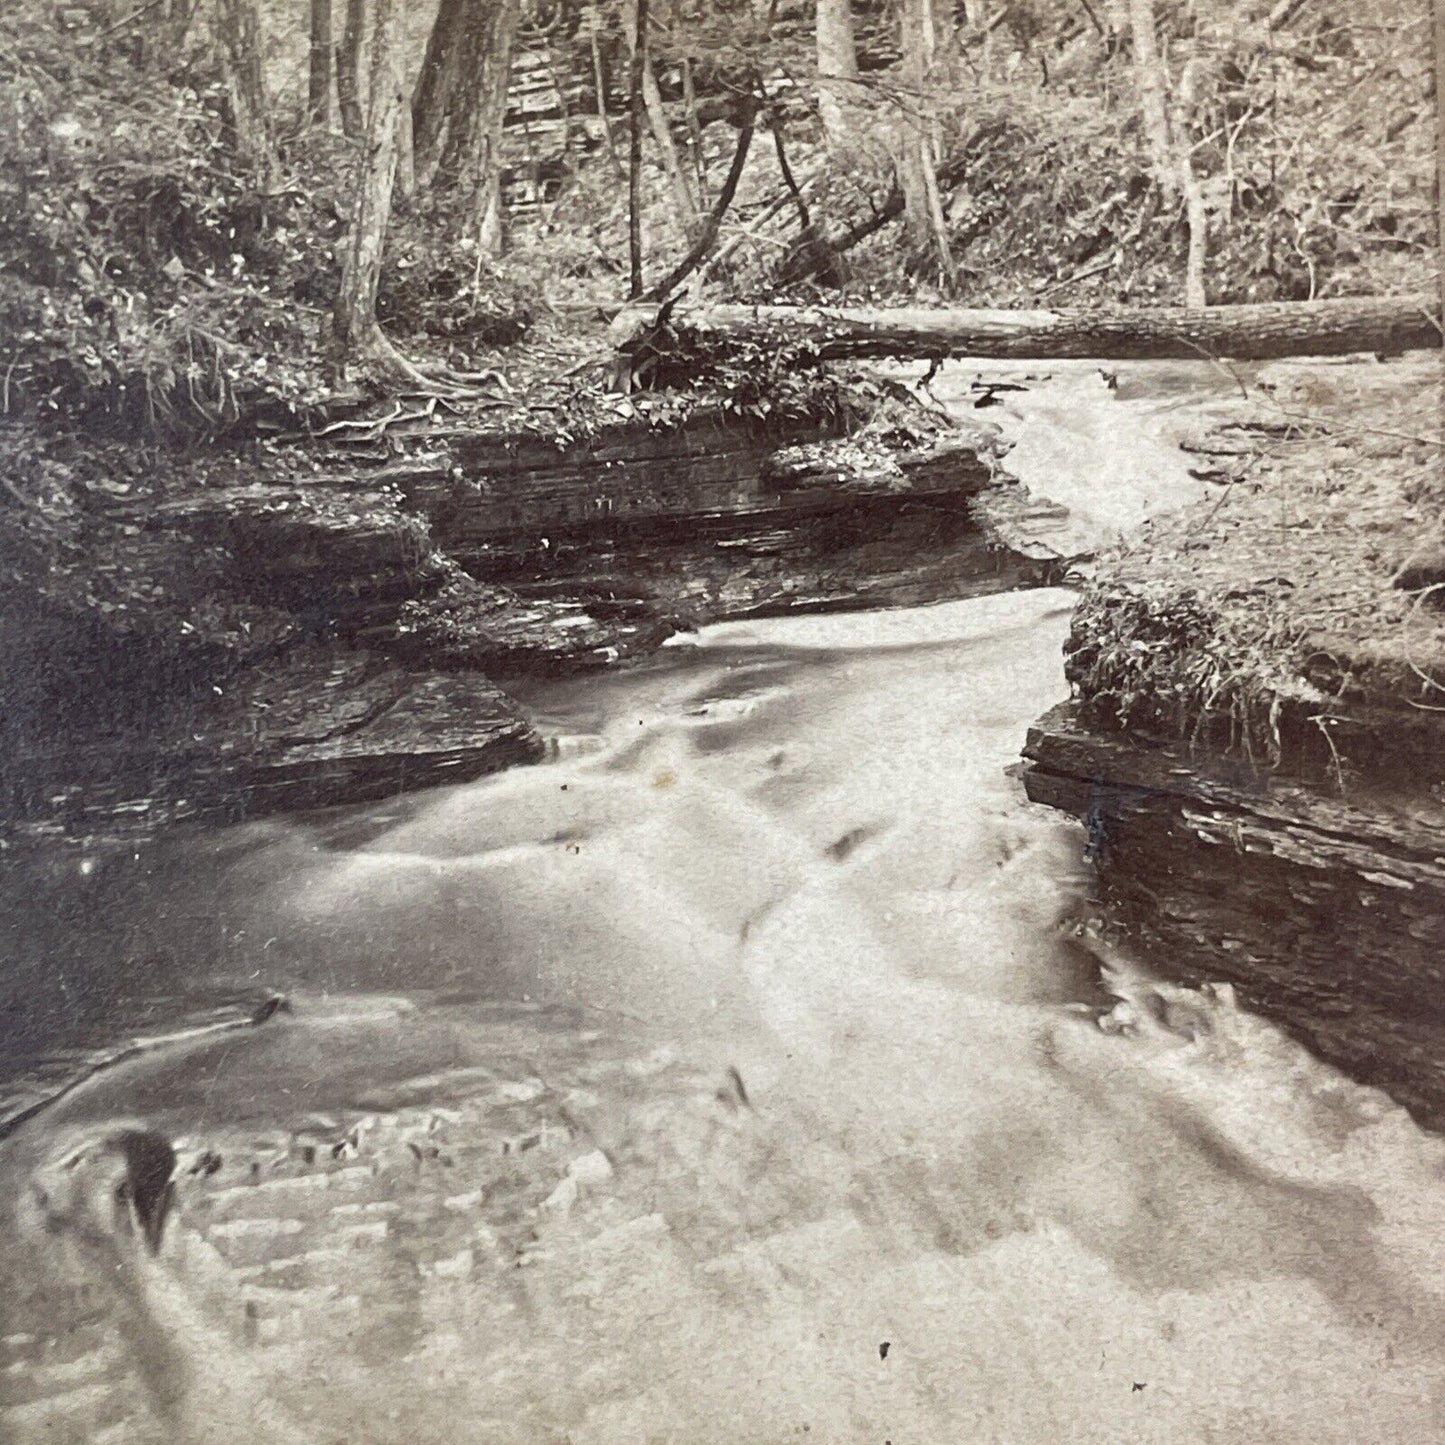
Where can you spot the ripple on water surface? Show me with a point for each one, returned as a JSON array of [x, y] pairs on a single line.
[[739, 1080]]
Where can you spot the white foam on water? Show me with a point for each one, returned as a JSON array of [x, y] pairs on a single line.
[[943, 622], [945, 1151]]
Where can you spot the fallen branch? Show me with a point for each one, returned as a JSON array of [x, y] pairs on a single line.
[[951, 174], [1097, 269], [708, 236], [769, 213]]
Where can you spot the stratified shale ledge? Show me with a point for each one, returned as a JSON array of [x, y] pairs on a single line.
[[1327, 914], [306, 628], [1256, 744]]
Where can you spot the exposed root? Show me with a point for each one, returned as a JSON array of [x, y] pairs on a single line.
[[385, 361]]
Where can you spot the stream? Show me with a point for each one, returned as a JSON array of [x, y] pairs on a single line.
[[745, 1072]]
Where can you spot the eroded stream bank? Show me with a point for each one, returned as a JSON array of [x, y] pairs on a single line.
[[717, 518], [313, 625], [1254, 739], [726, 1076]]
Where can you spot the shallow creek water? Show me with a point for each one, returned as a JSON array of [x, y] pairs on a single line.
[[736, 1075]]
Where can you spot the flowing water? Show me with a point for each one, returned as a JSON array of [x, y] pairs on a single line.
[[737, 1075]]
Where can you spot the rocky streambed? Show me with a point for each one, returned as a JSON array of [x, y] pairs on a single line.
[[742, 1066], [397, 593]]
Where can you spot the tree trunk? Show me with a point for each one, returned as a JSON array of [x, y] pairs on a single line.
[[356, 333], [634, 150], [811, 255], [1440, 170], [471, 157], [238, 46], [1168, 141], [348, 70], [492, 114], [667, 147], [1300, 328], [837, 75], [1153, 92], [405, 156], [657, 121], [916, 141], [1196, 216], [436, 83], [318, 90], [694, 135], [707, 236], [599, 80]]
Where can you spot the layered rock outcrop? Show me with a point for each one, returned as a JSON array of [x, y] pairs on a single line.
[[1327, 913], [343, 631]]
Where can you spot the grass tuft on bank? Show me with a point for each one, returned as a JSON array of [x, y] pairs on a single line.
[[1304, 610]]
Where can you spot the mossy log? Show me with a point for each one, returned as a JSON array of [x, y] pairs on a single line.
[[1255, 332]]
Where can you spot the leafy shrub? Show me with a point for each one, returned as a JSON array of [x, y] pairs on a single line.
[[148, 278]]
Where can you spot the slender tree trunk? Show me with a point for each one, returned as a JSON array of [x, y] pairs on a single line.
[[657, 121], [477, 111], [405, 156], [1197, 218], [812, 256], [916, 141], [667, 147], [837, 75], [1440, 169], [356, 332], [636, 106], [238, 45], [707, 236], [945, 30], [984, 24], [492, 115], [348, 70], [780, 147], [1168, 141], [1153, 92], [1196, 213], [318, 90], [599, 80], [694, 134]]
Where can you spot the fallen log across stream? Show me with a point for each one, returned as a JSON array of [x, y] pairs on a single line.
[[656, 339]]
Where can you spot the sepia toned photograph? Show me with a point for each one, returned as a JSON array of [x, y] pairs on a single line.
[[722, 722]]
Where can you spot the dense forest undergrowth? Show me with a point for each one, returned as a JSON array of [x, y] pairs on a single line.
[[181, 190]]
